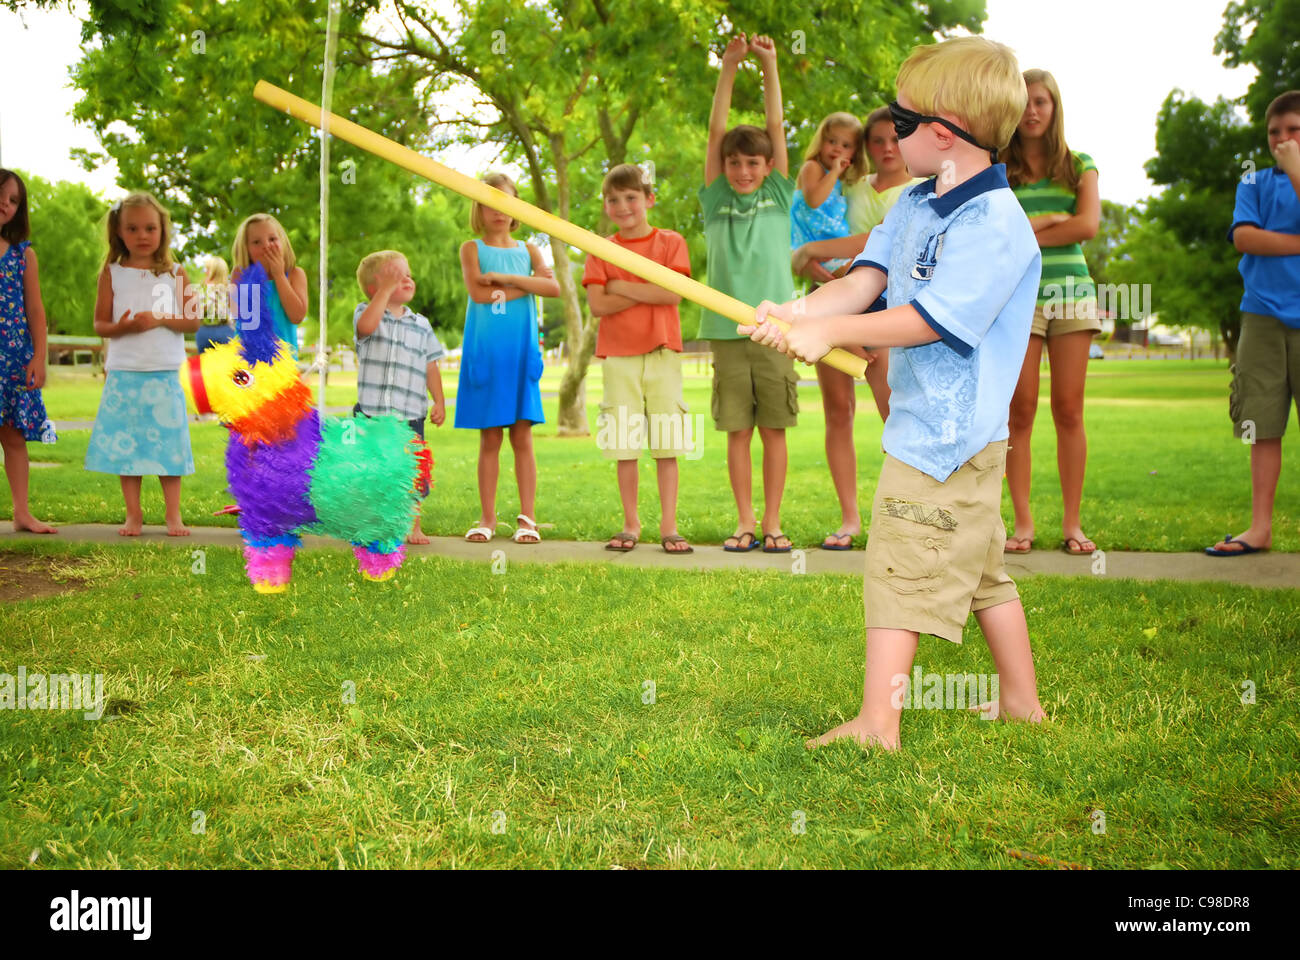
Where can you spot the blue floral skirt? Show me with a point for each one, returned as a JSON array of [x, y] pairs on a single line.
[[141, 429]]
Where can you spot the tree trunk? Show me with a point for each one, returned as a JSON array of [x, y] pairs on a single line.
[[572, 418], [1230, 329]]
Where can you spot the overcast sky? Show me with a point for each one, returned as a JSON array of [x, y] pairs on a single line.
[[1115, 61]]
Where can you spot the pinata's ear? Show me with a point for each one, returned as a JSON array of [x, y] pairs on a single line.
[[256, 326]]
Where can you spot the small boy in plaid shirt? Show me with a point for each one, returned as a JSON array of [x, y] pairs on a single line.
[[397, 352]]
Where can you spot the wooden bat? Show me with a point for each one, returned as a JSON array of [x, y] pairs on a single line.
[[535, 217]]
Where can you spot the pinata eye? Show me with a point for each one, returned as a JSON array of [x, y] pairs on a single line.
[[243, 378]]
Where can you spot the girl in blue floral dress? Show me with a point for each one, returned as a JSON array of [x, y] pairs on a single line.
[[22, 348]]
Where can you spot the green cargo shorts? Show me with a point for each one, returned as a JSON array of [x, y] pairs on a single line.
[[1265, 377], [753, 386]]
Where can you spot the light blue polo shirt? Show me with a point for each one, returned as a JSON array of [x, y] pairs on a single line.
[[968, 262], [1272, 283]]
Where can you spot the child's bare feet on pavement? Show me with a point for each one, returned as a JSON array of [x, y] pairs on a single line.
[[176, 528], [859, 730], [133, 526], [32, 525], [417, 536]]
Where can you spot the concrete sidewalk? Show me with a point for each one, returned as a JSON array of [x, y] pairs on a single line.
[[1268, 570]]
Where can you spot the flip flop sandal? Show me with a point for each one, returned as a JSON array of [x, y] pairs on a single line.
[[1245, 549], [774, 548], [837, 536], [1065, 545], [675, 538], [1010, 549], [622, 537], [738, 537]]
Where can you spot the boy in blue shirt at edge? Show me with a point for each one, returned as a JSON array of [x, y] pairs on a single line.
[[1266, 376], [961, 268]]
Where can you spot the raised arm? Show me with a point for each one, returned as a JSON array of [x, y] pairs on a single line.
[[735, 52], [765, 50], [1083, 225]]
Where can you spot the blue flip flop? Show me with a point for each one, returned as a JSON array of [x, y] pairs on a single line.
[[1245, 549], [847, 546], [753, 542]]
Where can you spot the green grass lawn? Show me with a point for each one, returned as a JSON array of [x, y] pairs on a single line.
[[1164, 471], [501, 721]]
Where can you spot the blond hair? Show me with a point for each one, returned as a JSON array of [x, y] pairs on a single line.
[[501, 182], [1061, 165], [215, 270], [368, 268], [972, 78], [117, 252], [239, 249], [858, 164]]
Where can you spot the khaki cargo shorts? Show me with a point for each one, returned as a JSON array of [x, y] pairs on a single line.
[[642, 407], [753, 386], [1066, 318], [934, 550], [1265, 377]]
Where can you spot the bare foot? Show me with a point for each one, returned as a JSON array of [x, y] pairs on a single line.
[[175, 528], [132, 527], [859, 730], [32, 525], [993, 710], [417, 535]]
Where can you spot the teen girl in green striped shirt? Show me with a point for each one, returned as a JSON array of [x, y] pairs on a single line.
[[1058, 190]]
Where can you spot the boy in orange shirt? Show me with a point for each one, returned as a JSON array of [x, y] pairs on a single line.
[[640, 342]]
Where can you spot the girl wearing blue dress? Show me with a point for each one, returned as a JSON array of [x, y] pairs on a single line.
[[501, 361], [22, 348]]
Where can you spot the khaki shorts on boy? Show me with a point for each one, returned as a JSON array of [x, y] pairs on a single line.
[[753, 386], [1054, 319], [1265, 377], [934, 550], [642, 406]]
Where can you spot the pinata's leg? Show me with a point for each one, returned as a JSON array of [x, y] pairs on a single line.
[[269, 565], [376, 565]]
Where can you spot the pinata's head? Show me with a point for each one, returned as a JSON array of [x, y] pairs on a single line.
[[251, 382]]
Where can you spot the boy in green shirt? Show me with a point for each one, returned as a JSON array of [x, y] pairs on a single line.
[[746, 201]]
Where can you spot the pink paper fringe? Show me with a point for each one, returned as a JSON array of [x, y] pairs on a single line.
[[269, 564], [377, 564]]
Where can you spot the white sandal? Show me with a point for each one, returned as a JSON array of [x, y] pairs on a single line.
[[528, 534], [485, 531]]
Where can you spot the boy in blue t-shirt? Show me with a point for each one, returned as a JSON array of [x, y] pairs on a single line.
[[960, 267], [1266, 376]]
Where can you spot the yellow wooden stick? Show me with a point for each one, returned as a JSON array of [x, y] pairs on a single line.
[[535, 217]]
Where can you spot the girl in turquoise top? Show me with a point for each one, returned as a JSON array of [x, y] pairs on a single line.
[[888, 178], [261, 239], [819, 211], [501, 362]]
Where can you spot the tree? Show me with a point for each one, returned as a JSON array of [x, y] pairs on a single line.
[[1203, 151], [68, 234], [571, 88], [195, 138]]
